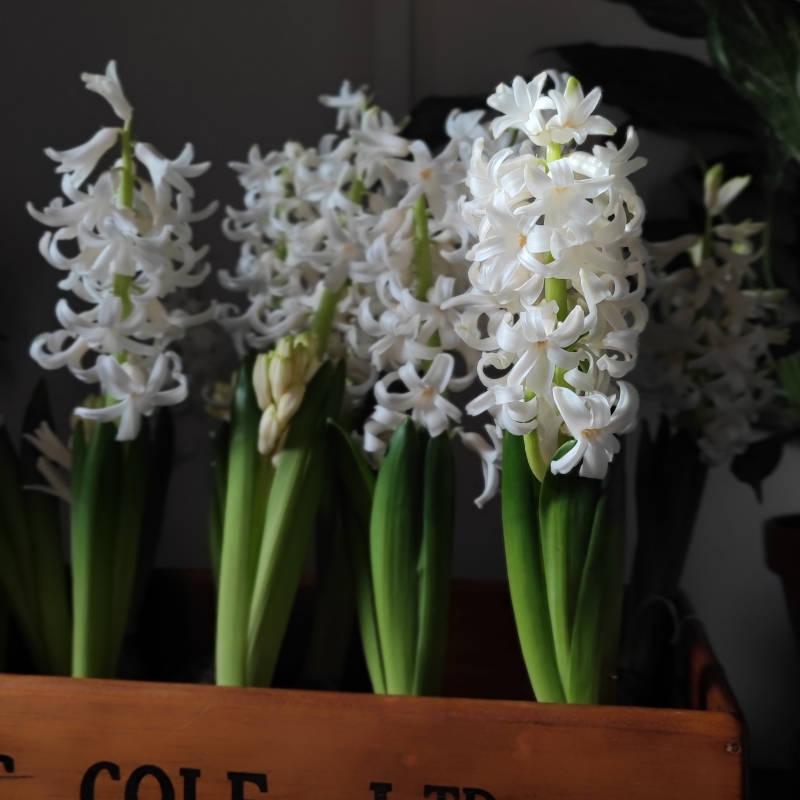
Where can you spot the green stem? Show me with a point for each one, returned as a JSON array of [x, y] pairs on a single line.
[[435, 564], [526, 577], [132, 498], [122, 285], [323, 319], [553, 151], [357, 190], [423, 263], [395, 539], [708, 239], [234, 595], [555, 289], [95, 488], [291, 509], [126, 179]]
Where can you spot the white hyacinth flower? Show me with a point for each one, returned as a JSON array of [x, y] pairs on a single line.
[[133, 242], [555, 306], [364, 228], [706, 363]]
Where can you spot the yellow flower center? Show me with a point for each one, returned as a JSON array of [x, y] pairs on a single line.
[[523, 239], [590, 433], [426, 174]]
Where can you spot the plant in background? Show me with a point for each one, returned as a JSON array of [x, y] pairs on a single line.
[[556, 307], [708, 376], [748, 115], [352, 248], [128, 249]]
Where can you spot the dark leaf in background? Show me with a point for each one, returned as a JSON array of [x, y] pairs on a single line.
[[758, 462], [430, 114], [791, 347], [681, 17], [756, 46], [665, 92]]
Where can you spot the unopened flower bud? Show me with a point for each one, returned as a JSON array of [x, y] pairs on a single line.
[[261, 381], [284, 347], [718, 193], [711, 184], [268, 431], [289, 403], [280, 374]]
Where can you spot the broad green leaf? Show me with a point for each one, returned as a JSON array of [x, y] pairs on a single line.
[[159, 473], [679, 17], [756, 46], [220, 445], [356, 481], [536, 460], [525, 566], [15, 524], [95, 513], [598, 615], [132, 490], [650, 86], [235, 591], [42, 511], [435, 564], [566, 516], [334, 595], [395, 537], [668, 468], [14, 589], [291, 509]]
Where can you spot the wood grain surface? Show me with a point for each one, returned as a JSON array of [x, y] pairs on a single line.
[[206, 742]]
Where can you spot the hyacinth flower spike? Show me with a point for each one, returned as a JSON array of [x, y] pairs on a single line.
[[132, 240], [555, 310]]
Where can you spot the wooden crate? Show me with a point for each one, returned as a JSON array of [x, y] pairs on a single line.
[[122, 740]]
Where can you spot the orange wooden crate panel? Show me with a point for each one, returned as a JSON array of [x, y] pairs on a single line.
[[208, 743]]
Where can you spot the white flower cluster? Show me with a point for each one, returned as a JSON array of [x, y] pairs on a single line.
[[366, 229], [705, 355], [129, 245], [556, 304]]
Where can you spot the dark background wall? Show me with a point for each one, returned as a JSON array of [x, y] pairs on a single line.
[[226, 74]]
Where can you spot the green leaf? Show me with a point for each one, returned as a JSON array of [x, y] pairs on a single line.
[[95, 513], [220, 443], [334, 596], [262, 487], [651, 87], [235, 591], [15, 525], [598, 615], [291, 509], [395, 538], [159, 473], [669, 467], [536, 460], [42, 511], [14, 589], [756, 46], [435, 564], [679, 17], [134, 458], [566, 516], [759, 461], [525, 566], [357, 486]]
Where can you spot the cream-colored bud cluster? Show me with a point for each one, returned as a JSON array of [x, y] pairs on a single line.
[[280, 378]]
